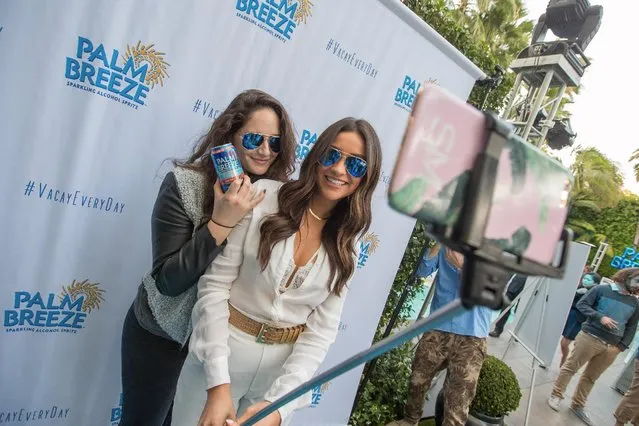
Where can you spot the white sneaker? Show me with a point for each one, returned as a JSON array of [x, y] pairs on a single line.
[[554, 402], [582, 415]]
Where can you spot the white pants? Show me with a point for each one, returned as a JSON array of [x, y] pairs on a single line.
[[253, 368]]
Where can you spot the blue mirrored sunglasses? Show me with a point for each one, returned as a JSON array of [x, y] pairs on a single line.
[[355, 166], [253, 141]]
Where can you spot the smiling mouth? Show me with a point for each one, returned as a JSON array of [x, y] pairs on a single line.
[[335, 182], [260, 160]]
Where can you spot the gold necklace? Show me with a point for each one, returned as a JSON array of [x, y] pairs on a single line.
[[314, 215]]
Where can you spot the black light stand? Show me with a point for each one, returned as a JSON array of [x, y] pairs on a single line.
[[491, 83]]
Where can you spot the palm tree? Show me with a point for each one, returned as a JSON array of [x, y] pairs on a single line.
[[598, 184], [499, 24], [633, 158], [597, 178]]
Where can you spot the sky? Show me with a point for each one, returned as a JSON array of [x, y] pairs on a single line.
[[605, 111]]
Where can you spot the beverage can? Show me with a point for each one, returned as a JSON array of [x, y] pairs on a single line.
[[227, 164]]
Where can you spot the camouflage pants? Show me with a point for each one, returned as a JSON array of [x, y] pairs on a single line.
[[463, 357]]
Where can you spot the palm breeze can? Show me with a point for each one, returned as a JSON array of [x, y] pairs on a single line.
[[227, 164]]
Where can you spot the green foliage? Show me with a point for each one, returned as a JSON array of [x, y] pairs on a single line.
[[444, 19], [597, 177], [598, 185], [384, 396], [634, 158], [619, 225], [498, 390], [499, 24]]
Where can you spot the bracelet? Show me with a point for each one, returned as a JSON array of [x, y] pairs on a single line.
[[222, 226]]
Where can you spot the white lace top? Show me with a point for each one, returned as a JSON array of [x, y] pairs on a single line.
[[295, 275]]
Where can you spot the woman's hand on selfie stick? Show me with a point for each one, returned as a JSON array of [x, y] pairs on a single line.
[[273, 419], [231, 206], [219, 410]]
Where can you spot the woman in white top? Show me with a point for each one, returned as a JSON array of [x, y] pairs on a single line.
[[269, 305]]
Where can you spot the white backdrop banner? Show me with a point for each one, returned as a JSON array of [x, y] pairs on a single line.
[[95, 95]]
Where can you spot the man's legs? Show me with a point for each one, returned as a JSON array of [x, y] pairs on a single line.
[[430, 355], [565, 350], [595, 368], [464, 364], [586, 347], [628, 408]]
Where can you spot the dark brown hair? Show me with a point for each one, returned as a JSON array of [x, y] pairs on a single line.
[[350, 219], [224, 128], [625, 275]]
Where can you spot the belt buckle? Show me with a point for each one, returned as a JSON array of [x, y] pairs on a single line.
[[260, 335]]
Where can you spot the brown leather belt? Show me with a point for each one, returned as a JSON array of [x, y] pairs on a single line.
[[263, 333]]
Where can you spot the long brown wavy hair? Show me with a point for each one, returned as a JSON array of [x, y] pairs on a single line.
[[625, 275], [350, 219], [224, 128]]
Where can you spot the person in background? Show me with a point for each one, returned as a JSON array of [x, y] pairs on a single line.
[[191, 220], [459, 346], [515, 288], [576, 318], [612, 313], [628, 408]]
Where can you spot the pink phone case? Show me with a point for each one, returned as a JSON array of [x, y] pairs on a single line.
[[434, 165]]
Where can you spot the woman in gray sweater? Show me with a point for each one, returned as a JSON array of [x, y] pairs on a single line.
[[190, 222]]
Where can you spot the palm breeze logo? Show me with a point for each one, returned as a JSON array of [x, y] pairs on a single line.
[[65, 312], [305, 144], [405, 95], [317, 393], [279, 18], [367, 246], [126, 79]]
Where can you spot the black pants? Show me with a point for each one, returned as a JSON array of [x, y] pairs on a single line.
[[499, 325], [151, 366]]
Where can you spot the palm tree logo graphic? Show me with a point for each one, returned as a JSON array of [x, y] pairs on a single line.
[[92, 293], [146, 54]]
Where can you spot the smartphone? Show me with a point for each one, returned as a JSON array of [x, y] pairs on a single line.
[[433, 168]]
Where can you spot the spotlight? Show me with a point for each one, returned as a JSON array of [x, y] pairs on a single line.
[[574, 20], [561, 135]]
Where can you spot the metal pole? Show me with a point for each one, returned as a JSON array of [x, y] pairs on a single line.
[[553, 112], [534, 354], [530, 394], [410, 283], [511, 101], [445, 313], [429, 297], [521, 318], [483, 104], [543, 315], [539, 97]]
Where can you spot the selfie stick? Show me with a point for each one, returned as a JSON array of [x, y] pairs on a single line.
[[446, 313]]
